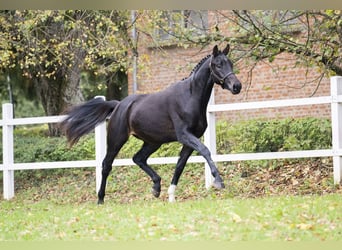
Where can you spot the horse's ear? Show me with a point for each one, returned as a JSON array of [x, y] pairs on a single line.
[[215, 51], [226, 50]]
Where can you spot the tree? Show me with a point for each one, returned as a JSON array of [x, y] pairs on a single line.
[[53, 48], [314, 37]]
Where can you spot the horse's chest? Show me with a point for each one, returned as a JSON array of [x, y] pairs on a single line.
[[198, 126]]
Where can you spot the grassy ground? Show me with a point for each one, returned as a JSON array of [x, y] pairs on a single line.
[[287, 202], [273, 218]]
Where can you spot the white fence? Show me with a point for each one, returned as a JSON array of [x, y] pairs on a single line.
[[335, 100]]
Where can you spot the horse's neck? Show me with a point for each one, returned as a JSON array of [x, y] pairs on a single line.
[[202, 85]]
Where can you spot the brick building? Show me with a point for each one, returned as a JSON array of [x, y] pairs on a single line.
[[280, 79]]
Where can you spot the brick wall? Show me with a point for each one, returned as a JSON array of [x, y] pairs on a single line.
[[162, 68], [271, 82]]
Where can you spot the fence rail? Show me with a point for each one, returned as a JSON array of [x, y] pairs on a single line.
[[335, 100]]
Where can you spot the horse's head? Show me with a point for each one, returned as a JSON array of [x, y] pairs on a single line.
[[221, 69]]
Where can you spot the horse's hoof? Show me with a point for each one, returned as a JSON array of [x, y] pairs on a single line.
[[218, 185], [155, 193], [100, 202], [172, 199]]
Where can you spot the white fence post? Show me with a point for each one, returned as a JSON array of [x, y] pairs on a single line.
[[210, 140], [336, 124], [100, 148], [7, 150]]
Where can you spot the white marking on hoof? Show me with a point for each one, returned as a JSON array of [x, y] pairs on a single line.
[[171, 192]]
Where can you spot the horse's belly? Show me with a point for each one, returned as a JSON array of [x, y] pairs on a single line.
[[152, 129]]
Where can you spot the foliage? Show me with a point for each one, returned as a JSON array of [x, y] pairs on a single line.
[[44, 42], [313, 36], [31, 144], [51, 48], [274, 135], [19, 90]]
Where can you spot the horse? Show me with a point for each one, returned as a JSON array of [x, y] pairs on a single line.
[[177, 113]]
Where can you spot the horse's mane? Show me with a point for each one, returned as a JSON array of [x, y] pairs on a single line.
[[194, 70]]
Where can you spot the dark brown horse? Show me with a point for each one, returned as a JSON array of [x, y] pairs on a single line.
[[176, 114]]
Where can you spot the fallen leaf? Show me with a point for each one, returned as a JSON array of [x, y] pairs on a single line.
[[235, 217], [303, 226]]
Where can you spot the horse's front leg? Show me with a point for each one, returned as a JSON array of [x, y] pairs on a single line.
[[193, 142], [183, 157]]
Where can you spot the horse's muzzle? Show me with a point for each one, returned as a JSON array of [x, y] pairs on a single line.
[[233, 84], [236, 88]]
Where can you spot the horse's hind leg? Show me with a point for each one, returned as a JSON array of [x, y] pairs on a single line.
[[115, 141], [106, 168], [140, 159]]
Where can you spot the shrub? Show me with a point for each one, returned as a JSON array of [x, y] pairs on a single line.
[[274, 135], [33, 145]]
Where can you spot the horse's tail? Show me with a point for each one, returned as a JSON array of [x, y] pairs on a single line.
[[82, 119]]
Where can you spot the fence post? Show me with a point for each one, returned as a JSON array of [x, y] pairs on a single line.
[[7, 144], [100, 148], [210, 140], [336, 125]]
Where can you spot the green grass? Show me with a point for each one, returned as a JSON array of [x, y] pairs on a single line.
[[272, 218]]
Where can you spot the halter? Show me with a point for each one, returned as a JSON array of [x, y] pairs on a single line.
[[221, 80]]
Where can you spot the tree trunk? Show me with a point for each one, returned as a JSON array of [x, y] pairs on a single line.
[[56, 96], [59, 94], [117, 86]]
